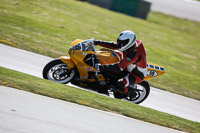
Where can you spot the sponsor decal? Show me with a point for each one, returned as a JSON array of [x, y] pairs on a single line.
[[84, 53], [89, 69], [152, 73]]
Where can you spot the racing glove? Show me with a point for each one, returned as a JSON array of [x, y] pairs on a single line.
[[96, 42], [106, 43]]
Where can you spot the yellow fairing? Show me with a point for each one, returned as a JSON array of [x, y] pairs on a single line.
[[154, 70], [76, 42], [107, 57], [84, 69], [67, 61]]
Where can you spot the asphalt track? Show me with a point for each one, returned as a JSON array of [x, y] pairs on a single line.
[[163, 101], [25, 112], [188, 9]]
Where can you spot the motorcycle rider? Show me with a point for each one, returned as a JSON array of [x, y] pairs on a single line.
[[133, 60]]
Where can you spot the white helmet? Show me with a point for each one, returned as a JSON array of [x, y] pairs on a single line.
[[126, 40]]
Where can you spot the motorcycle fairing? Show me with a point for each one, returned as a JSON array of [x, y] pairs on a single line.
[[107, 57], [67, 60], [154, 70]]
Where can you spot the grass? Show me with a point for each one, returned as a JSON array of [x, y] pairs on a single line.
[[55, 90], [48, 27]]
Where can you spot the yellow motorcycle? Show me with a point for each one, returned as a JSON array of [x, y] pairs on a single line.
[[82, 68]]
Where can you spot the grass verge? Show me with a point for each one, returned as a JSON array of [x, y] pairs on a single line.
[[55, 90], [47, 27]]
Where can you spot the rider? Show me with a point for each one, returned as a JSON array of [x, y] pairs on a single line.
[[133, 60]]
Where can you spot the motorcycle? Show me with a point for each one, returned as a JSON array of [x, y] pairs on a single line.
[[81, 68]]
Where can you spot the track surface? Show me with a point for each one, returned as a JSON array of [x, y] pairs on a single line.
[[33, 64], [24, 112], [189, 9]]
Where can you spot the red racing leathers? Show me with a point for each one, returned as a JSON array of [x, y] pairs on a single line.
[[133, 61]]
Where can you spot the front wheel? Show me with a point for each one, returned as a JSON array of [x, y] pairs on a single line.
[[58, 71]]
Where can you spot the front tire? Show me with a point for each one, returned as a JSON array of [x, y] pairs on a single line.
[[56, 71]]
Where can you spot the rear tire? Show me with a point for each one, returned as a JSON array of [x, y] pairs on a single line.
[[55, 71], [137, 94], [141, 93]]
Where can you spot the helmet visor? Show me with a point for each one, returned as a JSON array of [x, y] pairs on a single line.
[[122, 43]]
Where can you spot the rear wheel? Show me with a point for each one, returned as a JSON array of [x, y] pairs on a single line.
[[139, 92], [58, 71]]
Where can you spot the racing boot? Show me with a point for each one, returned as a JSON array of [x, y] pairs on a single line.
[[120, 91]]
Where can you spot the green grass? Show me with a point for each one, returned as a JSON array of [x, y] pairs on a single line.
[[48, 27], [55, 90]]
